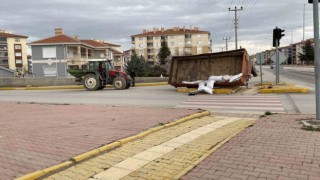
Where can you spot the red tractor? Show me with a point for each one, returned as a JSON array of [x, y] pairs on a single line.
[[100, 73]]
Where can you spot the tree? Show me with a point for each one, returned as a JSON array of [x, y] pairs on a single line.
[[164, 53], [308, 53], [137, 65]]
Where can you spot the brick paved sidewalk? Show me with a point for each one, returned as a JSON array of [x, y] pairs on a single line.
[[274, 148], [36, 136]]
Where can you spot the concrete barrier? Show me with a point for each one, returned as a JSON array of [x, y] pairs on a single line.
[[35, 82]]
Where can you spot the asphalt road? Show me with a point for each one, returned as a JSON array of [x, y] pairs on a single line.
[[164, 96], [150, 96]]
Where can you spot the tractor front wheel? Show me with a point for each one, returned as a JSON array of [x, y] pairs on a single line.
[[91, 82], [119, 83]]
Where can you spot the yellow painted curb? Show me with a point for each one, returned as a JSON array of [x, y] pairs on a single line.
[[152, 84], [30, 176], [128, 139], [85, 155], [215, 91], [94, 152], [109, 146], [207, 154], [73, 87], [38, 174]]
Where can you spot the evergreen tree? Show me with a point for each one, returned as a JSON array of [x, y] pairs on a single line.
[[164, 53], [137, 65], [308, 53]]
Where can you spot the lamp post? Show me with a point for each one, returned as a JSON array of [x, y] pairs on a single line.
[[291, 30]]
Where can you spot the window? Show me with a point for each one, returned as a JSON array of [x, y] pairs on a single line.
[[140, 38], [199, 35], [18, 54], [18, 61], [199, 50], [17, 46], [16, 39], [172, 43], [3, 47], [156, 38], [180, 51], [3, 39], [141, 45], [171, 37], [157, 44], [199, 42], [49, 52], [173, 52], [180, 44]]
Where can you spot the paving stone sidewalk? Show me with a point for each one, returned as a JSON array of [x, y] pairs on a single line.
[[274, 148], [36, 136]]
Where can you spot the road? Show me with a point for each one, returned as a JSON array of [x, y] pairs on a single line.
[[168, 97]]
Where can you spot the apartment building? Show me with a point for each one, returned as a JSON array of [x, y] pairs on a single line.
[[181, 42], [13, 51], [52, 56]]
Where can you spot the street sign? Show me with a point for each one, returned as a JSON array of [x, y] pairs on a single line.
[[260, 58], [282, 58]]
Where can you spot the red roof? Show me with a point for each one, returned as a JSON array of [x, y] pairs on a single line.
[[110, 44], [94, 43], [11, 35], [171, 32], [57, 39]]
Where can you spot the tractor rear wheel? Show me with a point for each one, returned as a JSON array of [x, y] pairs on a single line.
[[91, 82], [119, 83]]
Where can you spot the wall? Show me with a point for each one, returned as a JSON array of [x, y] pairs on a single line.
[[23, 82]]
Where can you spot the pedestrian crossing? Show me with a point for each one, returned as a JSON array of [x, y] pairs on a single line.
[[251, 104]]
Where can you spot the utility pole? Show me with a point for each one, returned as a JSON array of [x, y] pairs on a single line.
[[236, 24], [226, 39], [304, 19]]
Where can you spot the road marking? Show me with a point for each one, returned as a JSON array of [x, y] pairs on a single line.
[[235, 103], [137, 161]]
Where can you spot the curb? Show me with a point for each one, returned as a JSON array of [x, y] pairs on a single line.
[[215, 91], [39, 173], [284, 90], [268, 87], [207, 154], [73, 87]]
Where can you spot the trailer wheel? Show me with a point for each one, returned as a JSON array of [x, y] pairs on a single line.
[[91, 82], [119, 83]]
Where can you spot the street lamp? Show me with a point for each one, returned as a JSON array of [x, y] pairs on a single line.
[[291, 30]]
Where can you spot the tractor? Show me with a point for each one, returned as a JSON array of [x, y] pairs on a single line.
[[98, 73]]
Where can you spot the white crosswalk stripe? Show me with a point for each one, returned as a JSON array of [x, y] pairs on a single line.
[[251, 104]]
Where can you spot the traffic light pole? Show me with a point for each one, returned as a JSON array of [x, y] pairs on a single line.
[[277, 63], [316, 56]]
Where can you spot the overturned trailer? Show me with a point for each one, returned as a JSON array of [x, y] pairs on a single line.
[[200, 67]]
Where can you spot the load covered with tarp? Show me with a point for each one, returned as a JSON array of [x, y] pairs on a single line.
[[201, 67]]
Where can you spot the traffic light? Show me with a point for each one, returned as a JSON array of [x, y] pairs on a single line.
[[277, 35], [311, 1]]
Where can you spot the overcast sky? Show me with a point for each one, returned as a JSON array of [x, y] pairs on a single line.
[[117, 20]]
